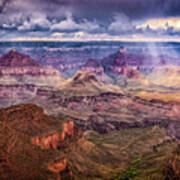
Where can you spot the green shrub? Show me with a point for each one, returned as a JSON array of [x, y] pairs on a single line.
[[132, 172]]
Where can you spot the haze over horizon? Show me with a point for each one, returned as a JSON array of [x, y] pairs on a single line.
[[82, 20]]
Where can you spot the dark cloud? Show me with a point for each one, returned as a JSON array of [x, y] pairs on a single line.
[[115, 17], [135, 9], [3, 3], [97, 9]]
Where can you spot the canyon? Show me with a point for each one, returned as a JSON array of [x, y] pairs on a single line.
[[22, 69], [91, 126], [36, 145], [109, 108]]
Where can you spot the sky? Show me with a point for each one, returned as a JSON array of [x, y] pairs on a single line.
[[86, 20]]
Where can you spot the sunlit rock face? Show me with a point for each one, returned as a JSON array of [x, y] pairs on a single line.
[[54, 139], [85, 83], [167, 76]]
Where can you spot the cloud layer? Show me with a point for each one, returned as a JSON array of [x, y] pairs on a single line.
[[89, 19]]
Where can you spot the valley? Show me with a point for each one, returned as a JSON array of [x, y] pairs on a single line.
[[114, 119]]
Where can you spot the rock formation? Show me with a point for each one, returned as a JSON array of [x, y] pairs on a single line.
[[95, 106], [30, 141], [26, 70], [85, 83], [92, 66], [168, 76], [16, 59], [36, 146]]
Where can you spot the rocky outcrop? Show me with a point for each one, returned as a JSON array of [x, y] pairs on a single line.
[[126, 66], [126, 71], [23, 69], [28, 70], [92, 63], [120, 68], [47, 141], [16, 59], [111, 111], [172, 170], [84, 83], [58, 165], [54, 139], [124, 58], [83, 77], [26, 130], [92, 66], [175, 166], [95, 70], [17, 90], [167, 76]]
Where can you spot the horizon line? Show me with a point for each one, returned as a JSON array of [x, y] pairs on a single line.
[[85, 41]]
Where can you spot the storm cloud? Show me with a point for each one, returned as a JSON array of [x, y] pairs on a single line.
[[113, 17], [99, 9]]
